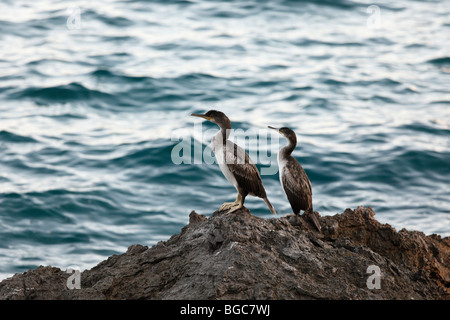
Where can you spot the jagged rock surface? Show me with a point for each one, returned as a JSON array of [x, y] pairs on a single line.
[[242, 256]]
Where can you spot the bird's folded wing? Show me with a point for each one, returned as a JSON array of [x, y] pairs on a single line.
[[297, 186], [244, 170]]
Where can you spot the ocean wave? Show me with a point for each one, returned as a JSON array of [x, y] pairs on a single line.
[[6, 136], [108, 75], [27, 168], [422, 127], [151, 156], [30, 206], [342, 4], [109, 20], [306, 42], [62, 94], [118, 39], [440, 61], [179, 2]]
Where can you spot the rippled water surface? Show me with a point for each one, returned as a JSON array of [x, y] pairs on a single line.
[[92, 94]]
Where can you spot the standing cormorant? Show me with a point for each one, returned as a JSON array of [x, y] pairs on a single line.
[[234, 163], [293, 178]]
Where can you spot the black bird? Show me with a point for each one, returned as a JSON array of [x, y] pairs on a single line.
[[293, 178], [234, 163]]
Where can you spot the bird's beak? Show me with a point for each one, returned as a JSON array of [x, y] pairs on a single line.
[[276, 129], [201, 116]]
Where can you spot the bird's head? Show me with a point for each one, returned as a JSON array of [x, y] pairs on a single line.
[[216, 117], [286, 132]]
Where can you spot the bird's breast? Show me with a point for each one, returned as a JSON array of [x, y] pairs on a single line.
[[221, 161], [281, 166]]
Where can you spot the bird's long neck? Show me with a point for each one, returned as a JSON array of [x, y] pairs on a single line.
[[225, 130], [287, 150]]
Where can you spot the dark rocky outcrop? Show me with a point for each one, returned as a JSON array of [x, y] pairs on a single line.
[[242, 256]]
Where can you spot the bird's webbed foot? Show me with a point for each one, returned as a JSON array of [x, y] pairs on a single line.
[[236, 207], [227, 205]]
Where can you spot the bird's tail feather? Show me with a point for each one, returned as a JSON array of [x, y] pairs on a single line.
[[310, 213], [271, 208]]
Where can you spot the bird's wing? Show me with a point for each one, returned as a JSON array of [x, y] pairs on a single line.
[[297, 186], [244, 170]]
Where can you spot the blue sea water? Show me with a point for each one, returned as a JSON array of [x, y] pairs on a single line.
[[93, 92]]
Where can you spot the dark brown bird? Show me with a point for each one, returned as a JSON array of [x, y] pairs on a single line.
[[293, 178], [235, 163]]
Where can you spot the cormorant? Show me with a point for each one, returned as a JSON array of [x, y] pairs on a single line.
[[293, 178], [234, 163]]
